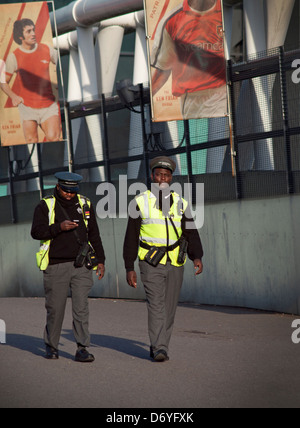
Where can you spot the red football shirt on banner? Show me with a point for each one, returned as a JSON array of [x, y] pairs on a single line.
[[33, 83], [191, 44]]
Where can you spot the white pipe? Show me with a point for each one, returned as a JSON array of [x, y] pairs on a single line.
[[216, 155], [85, 11], [127, 22], [140, 75], [75, 85], [88, 12], [107, 52], [255, 26], [74, 97], [278, 18], [266, 26], [108, 48], [90, 92], [140, 68]]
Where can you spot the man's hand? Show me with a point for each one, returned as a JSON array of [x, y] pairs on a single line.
[[132, 278], [198, 266], [16, 100], [100, 271], [67, 225]]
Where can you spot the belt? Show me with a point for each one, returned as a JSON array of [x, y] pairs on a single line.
[[164, 248]]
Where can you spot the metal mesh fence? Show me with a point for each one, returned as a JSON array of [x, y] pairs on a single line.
[[255, 152]]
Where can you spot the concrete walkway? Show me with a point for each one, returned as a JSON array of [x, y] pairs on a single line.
[[219, 357]]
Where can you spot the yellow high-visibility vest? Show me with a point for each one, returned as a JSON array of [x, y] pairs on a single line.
[[156, 229], [42, 257]]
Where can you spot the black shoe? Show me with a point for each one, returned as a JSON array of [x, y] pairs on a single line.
[[83, 356], [151, 353], [51, 353], [160, 356]]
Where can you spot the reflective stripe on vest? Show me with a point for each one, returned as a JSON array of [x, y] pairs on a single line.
[[42, 257], [154, 230]]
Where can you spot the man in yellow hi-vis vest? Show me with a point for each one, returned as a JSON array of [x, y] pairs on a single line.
[[161, 238], [71, 248]]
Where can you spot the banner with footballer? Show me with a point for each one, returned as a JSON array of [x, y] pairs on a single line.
[[29, 110], [187, 60]]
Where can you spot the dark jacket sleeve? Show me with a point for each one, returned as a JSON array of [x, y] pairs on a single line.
[[40, 229], [94, 237], [195, 249], [131, 242]]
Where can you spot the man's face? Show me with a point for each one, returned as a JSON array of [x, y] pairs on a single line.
[[161, 175], [201, 5], [29, 38], [65, 195]]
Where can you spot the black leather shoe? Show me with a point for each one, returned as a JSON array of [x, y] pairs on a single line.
[[83, 356], [51, 353], [160, 356], [151, 353]]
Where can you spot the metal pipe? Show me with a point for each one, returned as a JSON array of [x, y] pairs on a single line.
[[11, 188], [128, 22], [107, 51], [90, 92], [85, 13]]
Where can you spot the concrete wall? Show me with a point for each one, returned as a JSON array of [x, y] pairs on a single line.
[[251, 257]]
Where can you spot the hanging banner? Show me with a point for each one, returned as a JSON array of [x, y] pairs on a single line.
[[29, 109], [187, 60]]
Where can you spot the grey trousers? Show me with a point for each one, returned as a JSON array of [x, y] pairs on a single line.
[[162, 286], [58, 280]]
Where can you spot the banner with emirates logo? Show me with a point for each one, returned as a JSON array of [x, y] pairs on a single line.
[[29, 110], [187, 59]]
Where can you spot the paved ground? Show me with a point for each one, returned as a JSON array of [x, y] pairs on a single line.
[[220, 357]]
